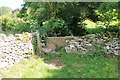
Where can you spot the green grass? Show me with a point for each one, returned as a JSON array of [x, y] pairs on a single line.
[[73, 66]]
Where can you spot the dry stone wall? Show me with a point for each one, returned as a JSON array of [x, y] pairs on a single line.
[[14, 48], [107, 42]]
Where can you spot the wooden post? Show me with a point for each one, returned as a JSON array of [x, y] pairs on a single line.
[[38, 42]]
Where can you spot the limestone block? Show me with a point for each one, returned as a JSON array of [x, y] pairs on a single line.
[[78, 45], [67, 41], [88, 44], [46, 50], [2, 37]]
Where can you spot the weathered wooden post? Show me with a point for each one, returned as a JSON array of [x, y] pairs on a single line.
[[38, 42], [1, 28]]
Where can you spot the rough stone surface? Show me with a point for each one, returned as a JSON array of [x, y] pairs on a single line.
[[14, 48], [87, 43]]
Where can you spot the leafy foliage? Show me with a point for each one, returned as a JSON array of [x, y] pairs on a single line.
[[15, 25], [56, 27], [70, 16], [108, 12], [64, 18], [60, 49]]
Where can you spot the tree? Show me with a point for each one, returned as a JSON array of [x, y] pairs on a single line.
[[108, 12], [71, 13], [5, 10]]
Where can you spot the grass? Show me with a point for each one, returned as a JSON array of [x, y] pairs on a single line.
[[73, 66], [33, 67]]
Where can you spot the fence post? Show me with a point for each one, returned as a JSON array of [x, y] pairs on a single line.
[[38, 42]]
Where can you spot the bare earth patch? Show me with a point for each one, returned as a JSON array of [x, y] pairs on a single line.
[[57, 62]]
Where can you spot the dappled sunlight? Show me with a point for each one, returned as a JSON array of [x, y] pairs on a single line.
[[72, 66], [28, 68], [80, 44], [114, 22], [89, 23]]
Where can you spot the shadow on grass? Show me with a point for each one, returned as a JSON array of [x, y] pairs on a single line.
[[64, 66], [82, 66]]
